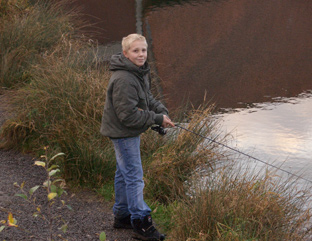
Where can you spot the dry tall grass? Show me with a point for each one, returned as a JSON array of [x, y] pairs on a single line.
[[231, 205], [171, 160], [27, 30], [62, 107]]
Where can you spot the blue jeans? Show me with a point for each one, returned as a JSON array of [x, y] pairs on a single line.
[[129, 182]]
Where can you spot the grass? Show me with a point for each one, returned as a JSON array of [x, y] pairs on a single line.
[[162, 214], [28, 31], [58, 95], [62, 107], [235, 205], [171, 160], [107, 191]]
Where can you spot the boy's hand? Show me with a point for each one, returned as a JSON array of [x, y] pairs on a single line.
[[167, 122]]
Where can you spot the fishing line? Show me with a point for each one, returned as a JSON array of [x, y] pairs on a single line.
[[242, 153]]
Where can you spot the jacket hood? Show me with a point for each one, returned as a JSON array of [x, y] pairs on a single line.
[[120, 62]]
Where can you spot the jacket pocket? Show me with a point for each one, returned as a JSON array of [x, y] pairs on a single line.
[[142, 101]]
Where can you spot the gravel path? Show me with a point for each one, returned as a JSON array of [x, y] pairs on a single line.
[[90, 214]]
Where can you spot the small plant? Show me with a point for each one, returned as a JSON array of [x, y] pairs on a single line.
[[54, 188], [11, 222], [103, 236]]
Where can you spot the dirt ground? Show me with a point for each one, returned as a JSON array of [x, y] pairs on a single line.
[[90, 214]]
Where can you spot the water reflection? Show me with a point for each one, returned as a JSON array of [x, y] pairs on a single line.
[[150, 5], [108, 20], [275, 132], [235, 51]]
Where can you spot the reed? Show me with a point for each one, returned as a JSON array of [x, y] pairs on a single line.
[[27, 30], [62, 107], [170, 161], [233, 205]]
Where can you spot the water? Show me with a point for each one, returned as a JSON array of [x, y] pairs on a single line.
[[278, 132], [231, 51]]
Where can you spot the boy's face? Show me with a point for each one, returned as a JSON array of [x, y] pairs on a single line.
[[137, 53]]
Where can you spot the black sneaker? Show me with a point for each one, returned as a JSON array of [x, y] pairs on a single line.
[[145, 230], [124, 223]]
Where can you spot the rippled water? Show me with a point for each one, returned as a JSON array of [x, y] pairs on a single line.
[[278, 132], [233, 51]]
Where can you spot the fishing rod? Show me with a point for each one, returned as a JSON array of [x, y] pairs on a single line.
[[162, 131]]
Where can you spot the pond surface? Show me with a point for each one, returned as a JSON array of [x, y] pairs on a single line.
[[235, 52]]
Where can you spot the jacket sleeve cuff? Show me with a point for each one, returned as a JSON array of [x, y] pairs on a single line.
[[159, 118]]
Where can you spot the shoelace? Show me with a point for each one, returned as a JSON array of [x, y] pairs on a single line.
[[150, 229]]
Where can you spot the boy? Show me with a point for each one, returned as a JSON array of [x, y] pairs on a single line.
[[130, 109]]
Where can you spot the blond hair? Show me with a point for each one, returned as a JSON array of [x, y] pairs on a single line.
[[127, 41]]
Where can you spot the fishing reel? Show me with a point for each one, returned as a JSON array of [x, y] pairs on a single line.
[[159, 129]]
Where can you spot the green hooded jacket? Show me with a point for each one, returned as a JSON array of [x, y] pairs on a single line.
[[130, 108]]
